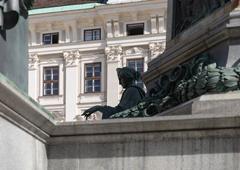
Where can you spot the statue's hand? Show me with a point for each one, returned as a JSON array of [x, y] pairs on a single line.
[[91, 110]]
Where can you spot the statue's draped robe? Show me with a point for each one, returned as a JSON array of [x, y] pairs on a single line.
[[131, 97]]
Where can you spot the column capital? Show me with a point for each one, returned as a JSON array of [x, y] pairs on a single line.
[[71, 58], [113, 53], [33, 61], [156, 48]]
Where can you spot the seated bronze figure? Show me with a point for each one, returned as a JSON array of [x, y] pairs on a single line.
[[131, 96]]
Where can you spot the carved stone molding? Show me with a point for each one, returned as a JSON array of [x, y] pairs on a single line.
[[33, 61], [113, 53], [71, 57], [134, 51], [156, 48]]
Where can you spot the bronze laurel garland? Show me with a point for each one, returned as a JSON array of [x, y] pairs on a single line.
[[183, 83]]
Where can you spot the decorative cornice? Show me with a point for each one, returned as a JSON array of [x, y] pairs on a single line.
[[113, 53], [156, 48], [71, 57], [33, 61]]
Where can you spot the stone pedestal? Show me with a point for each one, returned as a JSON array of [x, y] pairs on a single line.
[[14, 53], [216, 34]]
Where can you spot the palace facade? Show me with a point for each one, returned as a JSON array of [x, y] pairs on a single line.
[[74, 51]]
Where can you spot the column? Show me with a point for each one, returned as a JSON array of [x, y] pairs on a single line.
[[109, 29], [153, 24], [116, 28], [33, 70], [161, 24], [113, 54], [71, 83]]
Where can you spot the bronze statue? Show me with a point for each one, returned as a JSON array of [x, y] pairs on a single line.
[[131, 96], [189, 80], [10, 10]]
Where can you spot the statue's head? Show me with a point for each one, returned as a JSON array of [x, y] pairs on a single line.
[[127, 76]]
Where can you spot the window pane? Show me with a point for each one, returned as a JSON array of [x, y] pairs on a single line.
[[97, 34], [55, 85], [89, 71], [55, 77], [97, 70], [55, 91], [55, 70], [47, 92], [89, 89], [89, 83], [47, 71], [46, 38], [55, 38], [97, 89], [47, 77], [87, 35]]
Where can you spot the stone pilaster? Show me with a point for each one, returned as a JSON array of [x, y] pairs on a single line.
[[154, 24], [113, 54], [71, 82], [33, 33], [161, 24], [116, 28], [109, 29], [33, 74]]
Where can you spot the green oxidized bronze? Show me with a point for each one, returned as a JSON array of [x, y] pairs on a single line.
[[183, 83], [11, 10]]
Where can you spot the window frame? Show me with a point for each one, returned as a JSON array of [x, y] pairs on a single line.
[[92, 29], [50, 81], [92, 78], [51, 33]]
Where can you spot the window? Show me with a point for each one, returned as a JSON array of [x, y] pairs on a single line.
[[137, 64], [50, 38], [135, 29], [92, 34], [93, 77], [50, 81]]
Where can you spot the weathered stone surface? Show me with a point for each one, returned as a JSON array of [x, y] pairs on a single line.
[[192, 141], [20, 150]]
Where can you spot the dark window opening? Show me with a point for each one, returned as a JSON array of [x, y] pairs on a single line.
[[135, 29]]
